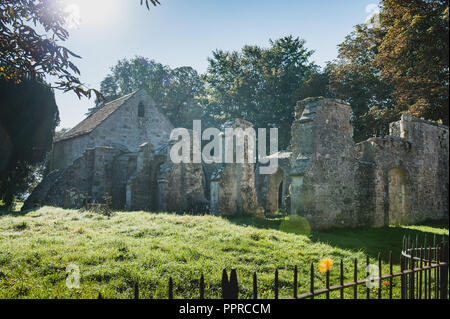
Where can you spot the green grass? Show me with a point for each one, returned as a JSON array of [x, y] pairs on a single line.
[[113, 252]]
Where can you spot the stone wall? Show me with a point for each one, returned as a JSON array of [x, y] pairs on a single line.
[[398, 179], [91, 174], [410, 168], [233, 189], [323, 164], [123, 129]]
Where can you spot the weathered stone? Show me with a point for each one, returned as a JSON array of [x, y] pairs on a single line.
[[233, 189], [118, 124], [324, 176]]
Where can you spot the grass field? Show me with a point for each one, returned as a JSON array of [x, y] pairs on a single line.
[[113, 252]]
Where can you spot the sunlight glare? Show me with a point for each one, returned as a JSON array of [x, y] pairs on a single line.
[[91, 13]]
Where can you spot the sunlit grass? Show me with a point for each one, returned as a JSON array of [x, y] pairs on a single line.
[[114, 252]]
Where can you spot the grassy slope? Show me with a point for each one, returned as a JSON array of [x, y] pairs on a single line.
[[112, 253]]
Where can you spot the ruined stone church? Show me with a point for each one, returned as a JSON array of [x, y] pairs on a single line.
[[122, 150]]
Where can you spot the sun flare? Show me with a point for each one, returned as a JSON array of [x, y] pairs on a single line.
[[88, 13]]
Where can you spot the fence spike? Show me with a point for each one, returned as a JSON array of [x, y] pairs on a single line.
[[379, 275], [295, 281], [225, 284], [255, 286], [420, 273], [328, 284], [311, 289], [367, 276], [276, 283], [170, 288], [390, 273], [136, 289], [355, 279], [429, 273], [234, 285], [341, 277], [202, 287]]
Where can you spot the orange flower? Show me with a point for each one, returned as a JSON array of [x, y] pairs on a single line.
[[325, 265], [385, 283]]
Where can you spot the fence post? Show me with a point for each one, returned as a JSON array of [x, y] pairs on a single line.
[[444, 271], [170, 288], [276, 283], [202, 287], [295, 282], [136, 289], [255, 286], [402, 277], [230, 289]]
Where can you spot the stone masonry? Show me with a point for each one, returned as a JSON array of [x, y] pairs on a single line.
[[123, 150]]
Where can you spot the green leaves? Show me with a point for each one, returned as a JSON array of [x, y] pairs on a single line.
[[175, 91], [24, 52], [258, 84]]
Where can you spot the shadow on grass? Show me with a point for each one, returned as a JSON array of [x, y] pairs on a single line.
[[371, 241]]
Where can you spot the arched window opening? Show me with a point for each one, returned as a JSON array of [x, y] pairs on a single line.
[[399, 196]]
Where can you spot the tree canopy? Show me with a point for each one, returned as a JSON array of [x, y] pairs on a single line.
[[399, 66], [175, 91], [24, 51], [259, 84]]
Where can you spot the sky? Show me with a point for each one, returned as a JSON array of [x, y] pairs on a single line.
[[185, 32]]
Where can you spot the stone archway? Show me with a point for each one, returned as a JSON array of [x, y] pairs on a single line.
[[274, 199], [399, 196]]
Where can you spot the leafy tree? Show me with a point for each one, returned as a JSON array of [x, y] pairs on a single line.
[[26, 52], [399, 66], [175, 91], [317, 83], [355, 78], [27, 125], [258, 84], [414, 55]]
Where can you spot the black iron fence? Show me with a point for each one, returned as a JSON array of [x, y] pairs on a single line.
[[423, 275]]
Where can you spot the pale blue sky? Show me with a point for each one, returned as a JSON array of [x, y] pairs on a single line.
[[185, 32]]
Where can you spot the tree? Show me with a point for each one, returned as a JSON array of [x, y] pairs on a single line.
[[26, 52], [414, 55], [356, 79], [175, 91], [258, 84], [27, 125], [317, 83], [399, 66]]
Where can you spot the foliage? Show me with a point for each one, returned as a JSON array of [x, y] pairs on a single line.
[[174, 90], [27, 124], [414, 55], [258, 84], [396, 67], [355, 78], [26, 52]]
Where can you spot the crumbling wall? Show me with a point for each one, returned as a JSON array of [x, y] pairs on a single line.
[[233, 190], [90, 174], [139, 188], [410, 182], [324, 164], [398, 179]]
